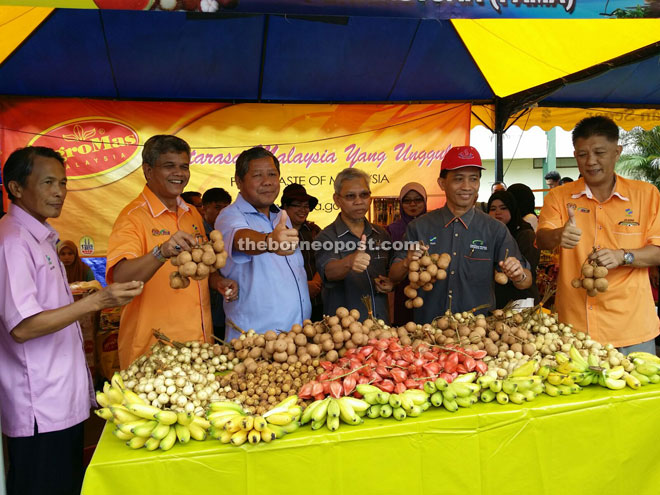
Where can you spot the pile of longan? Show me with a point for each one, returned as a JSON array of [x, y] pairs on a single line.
[[423, 274], [198, 263], [593, 279]]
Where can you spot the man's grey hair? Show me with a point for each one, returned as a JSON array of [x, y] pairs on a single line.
[[350, 174]]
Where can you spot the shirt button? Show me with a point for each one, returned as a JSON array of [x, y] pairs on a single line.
[[591, 307], [450, 291], [455, 235], [600, 228], [600, 207], [452, 272], [454, 253]]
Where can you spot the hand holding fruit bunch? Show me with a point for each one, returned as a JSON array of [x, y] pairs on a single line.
[[196, 261], [593, 278], [423, 273]]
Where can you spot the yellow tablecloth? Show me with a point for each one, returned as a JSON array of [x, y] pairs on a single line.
[[597, 442]]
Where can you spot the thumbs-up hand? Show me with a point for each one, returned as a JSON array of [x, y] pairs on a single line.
[[283, 240], [360, 260], [571, 234]]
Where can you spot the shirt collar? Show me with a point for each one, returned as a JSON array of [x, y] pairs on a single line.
[[157, 207], [245, 207], [342, 229], [448, 217], [40, 231], [587, 191]]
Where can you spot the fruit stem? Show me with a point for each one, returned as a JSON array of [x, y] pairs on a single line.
[[342, 376]]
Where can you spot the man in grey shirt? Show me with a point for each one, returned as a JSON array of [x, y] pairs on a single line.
[[352, 258], [476, 243]]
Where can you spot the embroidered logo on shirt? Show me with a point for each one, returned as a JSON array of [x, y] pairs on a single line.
[[50, 262], [583, 210], [160, 232], [629, 222], [433, 239], [628, 211], [478, 244]]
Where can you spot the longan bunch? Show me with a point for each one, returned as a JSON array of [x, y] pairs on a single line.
[[423, 274], [198, 263], [593, 279]]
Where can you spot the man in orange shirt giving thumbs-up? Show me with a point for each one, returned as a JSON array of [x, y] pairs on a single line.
[[614, 222], [264, 258], [354, 255]]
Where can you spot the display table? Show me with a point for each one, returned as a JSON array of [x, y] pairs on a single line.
[[596, 442]]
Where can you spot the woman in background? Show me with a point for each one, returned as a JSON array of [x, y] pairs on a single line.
[[502, 206], [412, 199], [76, 269], [525, 199]]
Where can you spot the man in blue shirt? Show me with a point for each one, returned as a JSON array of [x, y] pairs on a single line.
[[264, 257]]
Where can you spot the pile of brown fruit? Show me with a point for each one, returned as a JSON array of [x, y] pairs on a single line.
[[198, 263], [423, 274], [593, 279]]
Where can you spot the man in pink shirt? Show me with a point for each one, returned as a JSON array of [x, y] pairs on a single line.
[[45, 387]]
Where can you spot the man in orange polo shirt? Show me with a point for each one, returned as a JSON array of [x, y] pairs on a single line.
[[155, 226], [619, 218]]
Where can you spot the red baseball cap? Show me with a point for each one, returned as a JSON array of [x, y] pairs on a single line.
[[461, 156]]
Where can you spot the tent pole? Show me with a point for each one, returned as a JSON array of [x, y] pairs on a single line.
[[499, 155]]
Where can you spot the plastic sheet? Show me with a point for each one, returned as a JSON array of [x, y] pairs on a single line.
[[596, 442]]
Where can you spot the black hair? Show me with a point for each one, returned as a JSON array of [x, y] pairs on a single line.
[[189, 195], [216, 195], [444, 173], [565, 180], [18, 166], [596, 126], [524, 198], [244, 159], [553, 175], [160, 144], [516, 222]]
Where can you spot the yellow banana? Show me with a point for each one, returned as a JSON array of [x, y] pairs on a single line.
[[121, 435], [579, 363], [233, 425], [495, 386], [221, 422], [347, 413], [168, 442], [201, 422], [267, 435], [283, 406], [613, 384], [259, 423], [464, 378], [182, 433], [616, 372], [132, 397], [551, 390], [278, 431], [128, 427], [160, 431], [143, 410], [151, 443], [239, 437], [254, 437], [184, 418], [144, 430], [643, 379], [526, 369], [102, 399], [652, 358], [226, 436], [247, 422], [332, 423], [196, 432], [123, 415], [105, 413], [117, 382], [561, 358], [136, 442], [224, 405], [114, 395], [166, 417], [333, 408], [279, 419], [517, 398]]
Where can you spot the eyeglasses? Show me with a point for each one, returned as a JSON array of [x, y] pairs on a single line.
[[351, 197], [413, 201], [299, 205]]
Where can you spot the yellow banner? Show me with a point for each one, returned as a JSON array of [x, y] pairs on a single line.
[[101, 142], [548, 117]]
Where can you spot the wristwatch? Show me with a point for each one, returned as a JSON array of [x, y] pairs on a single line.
[[628, 257], [158, 254]]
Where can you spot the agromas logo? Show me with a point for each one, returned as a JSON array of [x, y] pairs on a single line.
[[96, 150]]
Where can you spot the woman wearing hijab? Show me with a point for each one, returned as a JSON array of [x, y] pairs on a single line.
[[412, 199], [502, 206], [76, 270], [525, 199]]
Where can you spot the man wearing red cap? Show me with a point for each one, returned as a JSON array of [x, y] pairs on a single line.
[[477, 243]]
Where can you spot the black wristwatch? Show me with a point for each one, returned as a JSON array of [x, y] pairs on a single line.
[[628, 257]]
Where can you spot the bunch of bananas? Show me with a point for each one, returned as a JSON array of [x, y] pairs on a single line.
[[411, 402], [591, 370], [142, 425], [330, 411], [647, 367], [231, 424], [462, 392], [516, 389]]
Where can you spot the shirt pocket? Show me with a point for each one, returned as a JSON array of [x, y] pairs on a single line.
[[629, 237], [478, 269]]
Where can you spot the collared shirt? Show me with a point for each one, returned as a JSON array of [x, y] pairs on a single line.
[[44, 379], [476, 243], [272, 289], [625, 314], [181, 314], [338, 242]]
